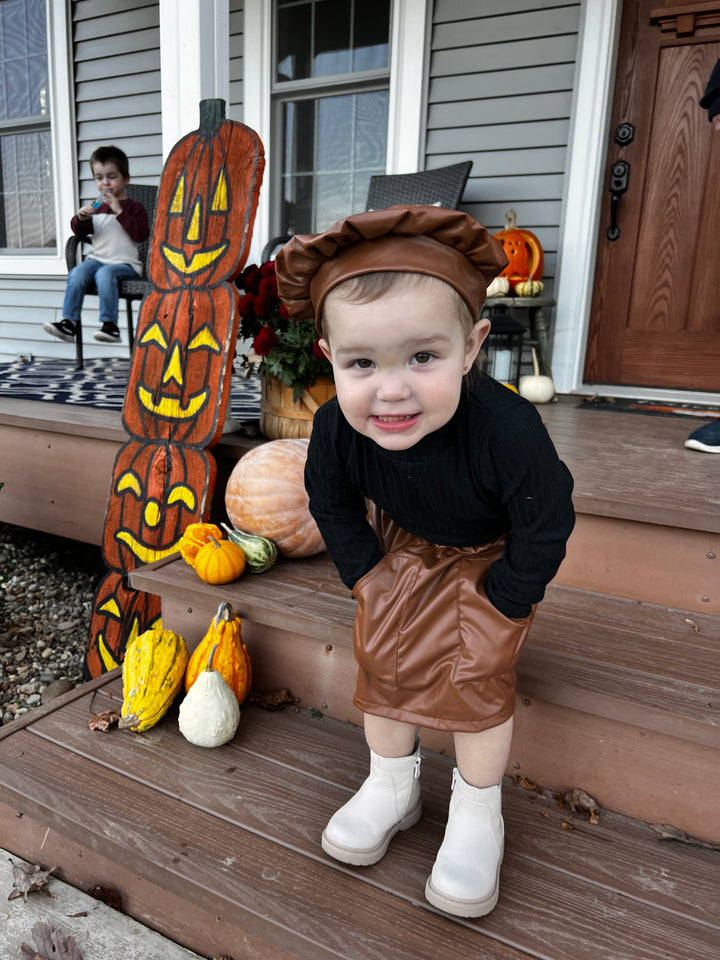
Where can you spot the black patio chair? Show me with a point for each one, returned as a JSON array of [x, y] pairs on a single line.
[[442, 187], [129, 290]]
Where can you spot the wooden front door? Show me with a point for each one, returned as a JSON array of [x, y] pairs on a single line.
[[655, 317]]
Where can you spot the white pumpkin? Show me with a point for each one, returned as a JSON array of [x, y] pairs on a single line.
[[209, 715], [536, 388], [499, 287]]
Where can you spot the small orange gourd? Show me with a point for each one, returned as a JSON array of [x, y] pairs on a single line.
[[231, 659], [195, 536], [219, 561]]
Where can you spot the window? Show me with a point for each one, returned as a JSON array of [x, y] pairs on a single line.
[[330, 103], [27, 197]]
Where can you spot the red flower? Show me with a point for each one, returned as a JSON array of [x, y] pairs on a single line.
[[267, 269], [262, 305], [268, 285], [265, 341], [247, 306], [250, 279], [284, 311]]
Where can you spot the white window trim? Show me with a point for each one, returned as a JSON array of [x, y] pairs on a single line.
[[408, 45], [63, 124]]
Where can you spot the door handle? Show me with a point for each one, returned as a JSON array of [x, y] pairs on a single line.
[[619, 176]]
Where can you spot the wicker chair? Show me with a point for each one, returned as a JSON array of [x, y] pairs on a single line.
[[443, 187], [129, 290]]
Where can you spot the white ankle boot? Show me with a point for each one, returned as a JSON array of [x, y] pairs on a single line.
[[465, 879], [388, 801]]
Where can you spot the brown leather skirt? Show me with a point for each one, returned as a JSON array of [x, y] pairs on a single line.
[[431, 648]]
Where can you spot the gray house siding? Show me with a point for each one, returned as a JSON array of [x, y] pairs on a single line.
[[500, 94]]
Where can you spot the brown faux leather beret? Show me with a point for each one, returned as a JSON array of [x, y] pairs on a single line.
[[441, 243]]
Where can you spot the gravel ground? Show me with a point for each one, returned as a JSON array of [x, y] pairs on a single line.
[[47, 586]]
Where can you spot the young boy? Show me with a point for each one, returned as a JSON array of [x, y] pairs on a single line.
[[118, 225], [469, 512]]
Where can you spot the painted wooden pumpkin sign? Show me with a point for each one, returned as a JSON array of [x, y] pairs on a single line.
[[119, 615], [182, 364], [209, 176], [155, 496], [522, 248], [179, 382]]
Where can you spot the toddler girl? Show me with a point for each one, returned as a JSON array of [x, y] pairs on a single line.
[[445, 508]]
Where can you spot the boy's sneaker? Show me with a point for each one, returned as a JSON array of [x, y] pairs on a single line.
[[64, 330], [108, 333], [705, 438]]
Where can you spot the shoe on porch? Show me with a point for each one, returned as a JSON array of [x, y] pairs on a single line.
[[63, 330], [108, 333], [706, 438], [389, 800]]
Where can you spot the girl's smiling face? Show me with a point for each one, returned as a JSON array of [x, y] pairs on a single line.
[[399, 360]]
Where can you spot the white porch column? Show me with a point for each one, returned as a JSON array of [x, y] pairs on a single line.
[[194, 62]]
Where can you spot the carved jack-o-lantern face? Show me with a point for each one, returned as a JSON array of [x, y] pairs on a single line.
[[197, 238], [181, 365], [119, 615], [157, 490]]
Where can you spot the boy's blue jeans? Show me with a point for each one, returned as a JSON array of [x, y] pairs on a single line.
[[106, 277]]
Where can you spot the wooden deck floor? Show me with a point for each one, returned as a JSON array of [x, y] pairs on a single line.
[[219, 849]]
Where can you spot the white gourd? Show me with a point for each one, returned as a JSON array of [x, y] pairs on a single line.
[[535, 388], [209, 715]]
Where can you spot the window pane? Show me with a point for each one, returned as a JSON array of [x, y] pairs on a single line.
[[27, 205], [332, 38], [23, 60], [348, 141], [371, 30], [294, 26]]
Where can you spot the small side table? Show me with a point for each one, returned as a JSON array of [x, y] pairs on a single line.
[[538, 338]]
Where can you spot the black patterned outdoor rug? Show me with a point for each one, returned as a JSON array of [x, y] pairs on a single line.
[[651, 408], [102, 384]]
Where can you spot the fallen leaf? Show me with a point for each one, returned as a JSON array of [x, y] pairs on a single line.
[[27, 878], [543, 814], [581, 802], [274, 700], [103, 721], [692, 623], [52, 944], [107, 896], [526, 784], [567, 826], [672, 833]]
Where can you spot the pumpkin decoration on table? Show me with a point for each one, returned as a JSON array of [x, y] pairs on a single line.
[[526, 260], [219, 561], [265, 495], [210, 713], [195, 536], [231, 660], [153, 672]]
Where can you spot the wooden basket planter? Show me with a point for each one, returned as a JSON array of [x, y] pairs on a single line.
[[281, 417]]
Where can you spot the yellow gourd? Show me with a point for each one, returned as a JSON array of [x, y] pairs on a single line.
[[219, 561], [231, 660], [153, 672], [529, 288]]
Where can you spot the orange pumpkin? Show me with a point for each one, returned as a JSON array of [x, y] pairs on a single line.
[[265, 495], [231, 659], [219, 561], [196, 535], [526, 260]]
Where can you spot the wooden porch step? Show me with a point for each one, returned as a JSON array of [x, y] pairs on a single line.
[[219, 849], [617, 696]]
